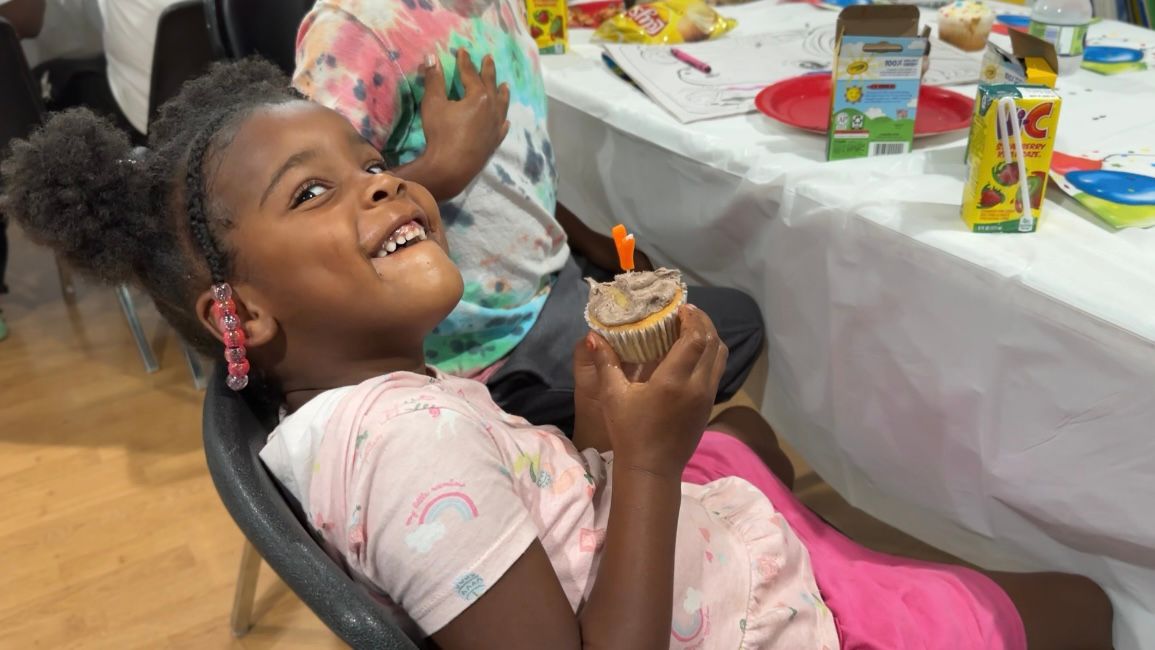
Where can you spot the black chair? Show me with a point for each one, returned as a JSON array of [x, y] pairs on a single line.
[[183, 51], [234, 433], [267, 28]]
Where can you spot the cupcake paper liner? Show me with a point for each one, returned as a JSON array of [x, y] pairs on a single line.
[[643, 345]]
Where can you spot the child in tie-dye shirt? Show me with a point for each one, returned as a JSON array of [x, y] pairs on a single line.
[[367, 60], [524, 289]]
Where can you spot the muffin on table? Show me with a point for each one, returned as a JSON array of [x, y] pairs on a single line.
[[965, 24]]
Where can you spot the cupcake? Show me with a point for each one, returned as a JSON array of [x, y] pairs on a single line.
[[637, 313], [966, 24]]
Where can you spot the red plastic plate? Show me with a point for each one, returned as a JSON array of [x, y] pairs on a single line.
[[804, 102]]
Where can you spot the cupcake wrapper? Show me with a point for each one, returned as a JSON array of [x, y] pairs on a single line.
[[643, 345]]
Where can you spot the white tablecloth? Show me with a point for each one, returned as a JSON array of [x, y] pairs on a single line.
[[993, 395]]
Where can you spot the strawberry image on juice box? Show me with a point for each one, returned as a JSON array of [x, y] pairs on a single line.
[[993, 196], [547, 24]]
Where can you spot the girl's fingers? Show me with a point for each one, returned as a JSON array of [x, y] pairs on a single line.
[[503, 100], [711, 372], [434, 80], [470, 79], [696, 331], [608, 364], [489, 73]]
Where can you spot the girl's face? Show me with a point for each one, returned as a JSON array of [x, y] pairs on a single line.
[[314, 216]]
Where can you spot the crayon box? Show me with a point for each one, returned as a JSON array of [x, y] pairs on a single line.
[[547, 24], [993, 196], [876, 79]]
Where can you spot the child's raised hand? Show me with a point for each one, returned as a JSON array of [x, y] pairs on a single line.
[[462, 135], [654, 425]]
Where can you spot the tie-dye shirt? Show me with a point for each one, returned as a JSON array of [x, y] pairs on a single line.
[[363, 59], [428, 493]]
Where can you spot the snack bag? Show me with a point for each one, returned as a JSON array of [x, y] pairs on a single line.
[[547, 25], [583, 13], [666, 22]]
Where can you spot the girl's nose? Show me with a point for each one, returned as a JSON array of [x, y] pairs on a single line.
[[384, 187]]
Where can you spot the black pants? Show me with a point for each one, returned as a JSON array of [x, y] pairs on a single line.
[[537, 379]]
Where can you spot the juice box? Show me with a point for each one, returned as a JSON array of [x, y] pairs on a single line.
[[992, 201], [547, 25], [876, 79]]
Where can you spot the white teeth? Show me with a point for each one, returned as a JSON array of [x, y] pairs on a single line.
[[411, 231]]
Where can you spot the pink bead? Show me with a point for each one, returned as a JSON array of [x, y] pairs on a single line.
[[222, 291], [228, 323], [234, 338], [237, 383], [239, 368], [224, 307], [234, 355]]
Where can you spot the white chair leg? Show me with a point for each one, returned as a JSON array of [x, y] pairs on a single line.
[[194, 366], [126, 305], [241, 620]]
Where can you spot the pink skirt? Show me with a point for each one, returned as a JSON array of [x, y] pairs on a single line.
[[879, 601]]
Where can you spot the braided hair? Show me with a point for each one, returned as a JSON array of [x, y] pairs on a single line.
[[143, 217]]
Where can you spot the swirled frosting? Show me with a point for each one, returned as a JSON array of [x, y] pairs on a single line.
[[632, 297]]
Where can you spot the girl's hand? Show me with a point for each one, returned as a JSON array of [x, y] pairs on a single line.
[[461, 136], [652, 425]]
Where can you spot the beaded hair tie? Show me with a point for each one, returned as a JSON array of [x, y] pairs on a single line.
[[229, 324]]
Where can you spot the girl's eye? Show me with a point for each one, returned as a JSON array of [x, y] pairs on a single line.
[[309, 192], [376, 168]]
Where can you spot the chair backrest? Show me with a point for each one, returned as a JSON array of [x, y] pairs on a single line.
[[233, 437], [21, 110], [183, 51], [267, 28]]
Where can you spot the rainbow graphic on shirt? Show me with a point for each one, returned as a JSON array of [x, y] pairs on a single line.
[[458, 502], [693, 622], [429, 527]]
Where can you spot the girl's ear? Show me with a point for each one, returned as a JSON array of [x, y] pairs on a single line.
[[259, 325]]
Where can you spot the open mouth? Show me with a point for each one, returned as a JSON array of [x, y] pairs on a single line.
[[407, 234]]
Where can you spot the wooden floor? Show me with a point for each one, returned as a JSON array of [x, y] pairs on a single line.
[[112, 534]]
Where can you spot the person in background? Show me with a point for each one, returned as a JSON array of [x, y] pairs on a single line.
[[98, 53], [95, 53], [71, 30], [66, 58], [25, 16], [27, 20], [372, 62], [129, 41], [3, 268]]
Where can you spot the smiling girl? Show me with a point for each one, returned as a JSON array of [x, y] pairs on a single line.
[[268, 230]]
